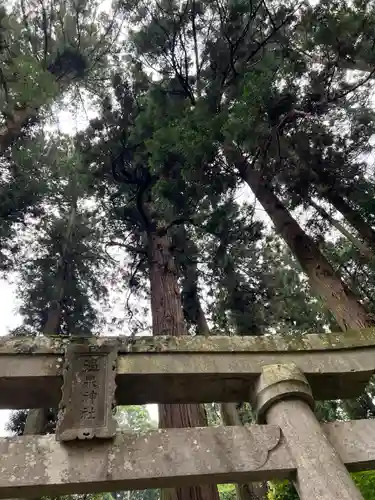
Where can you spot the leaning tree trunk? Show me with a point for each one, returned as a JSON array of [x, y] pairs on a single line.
[[334, 196], [354, 218], [362, 247], [339, 299], [168, 319], [37, 419]]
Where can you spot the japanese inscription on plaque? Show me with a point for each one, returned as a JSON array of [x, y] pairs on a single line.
[[88, 393]]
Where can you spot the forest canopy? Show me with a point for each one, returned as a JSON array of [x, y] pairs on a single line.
[[215, 175]]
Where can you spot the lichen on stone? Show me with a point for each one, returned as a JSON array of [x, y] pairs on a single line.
[[187, 344]]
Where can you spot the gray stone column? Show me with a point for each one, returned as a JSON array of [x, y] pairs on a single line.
[[283, 397]]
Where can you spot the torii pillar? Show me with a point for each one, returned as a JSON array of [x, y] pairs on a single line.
[[283, 397]]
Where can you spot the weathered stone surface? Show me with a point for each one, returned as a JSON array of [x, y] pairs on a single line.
[[283, 398], [354, 441], [142, 377], [321, 473], [266, 343], [88, 393], [32, 466], [277, 382], [39, 466], [190, 369]]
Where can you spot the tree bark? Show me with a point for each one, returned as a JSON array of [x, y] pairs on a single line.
[[36, 421], [228, 411], [353, 217], [168, 319], [362, 407], [188, 270], [362, 247], [333, 194], [340, 300]]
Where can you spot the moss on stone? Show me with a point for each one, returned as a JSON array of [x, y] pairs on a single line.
[[267, 343]]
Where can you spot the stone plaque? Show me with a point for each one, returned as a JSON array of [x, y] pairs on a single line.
[[88, 393]]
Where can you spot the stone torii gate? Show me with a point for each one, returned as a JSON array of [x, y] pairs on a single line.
[[281, 376]]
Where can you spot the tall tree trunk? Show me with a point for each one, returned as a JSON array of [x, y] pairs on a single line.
[[228, 411], [334, 196], [352, 216], [37, 418], [362, 407], [168, 319], [364, 250], [188, 269], [339, 299]]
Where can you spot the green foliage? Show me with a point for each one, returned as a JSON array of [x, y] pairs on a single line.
[[239, 296], [328, 411], [138, 495], [64, 265], [23, 188], [284, 490], [47, 50], [135, 418], [75, 284], [227, 492], [366, 484], [213, 414], [90, 496], [293, 307], [247, 121], [361, 407], [187, 79], [355, 269]]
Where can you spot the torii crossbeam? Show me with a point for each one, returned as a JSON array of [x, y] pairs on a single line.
[[280, 375]]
